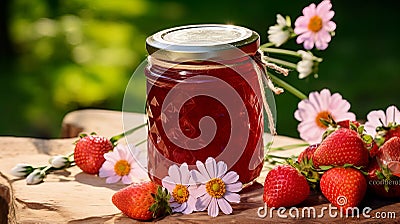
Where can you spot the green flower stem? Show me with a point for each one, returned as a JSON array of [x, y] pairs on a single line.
[[114, 139], [282, 62], [287, 86], [280, 51], [287, 147], [141, 142], [276, 157], [47, 169], [266, 45]]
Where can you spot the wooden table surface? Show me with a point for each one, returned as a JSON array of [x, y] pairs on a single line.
[[71, 196]]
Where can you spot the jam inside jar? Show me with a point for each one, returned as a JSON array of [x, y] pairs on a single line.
[[204, 99]]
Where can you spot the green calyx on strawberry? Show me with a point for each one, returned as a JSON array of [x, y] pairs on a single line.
[[343, 146], [384, 133], [143, 201], [332, 125], [305, 166], [285, 186], [344, 187]]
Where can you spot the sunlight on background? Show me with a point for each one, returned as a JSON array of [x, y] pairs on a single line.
[[68, 55]]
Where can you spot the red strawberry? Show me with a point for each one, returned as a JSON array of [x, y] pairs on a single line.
[[380, 181], [305, 165], [284, 186], [142, 201], [343, 187], [393, 132], [389, 155], [343, 146], [89, 152], [348, 124], [374, 150], [307, 153]]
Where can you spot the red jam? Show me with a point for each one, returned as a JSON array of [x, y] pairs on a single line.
[[205, 108]]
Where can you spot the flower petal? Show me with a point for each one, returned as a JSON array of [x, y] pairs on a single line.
[[185, 174], [232, 197], [230, 177], [106, 172], [203, 202], [199, 178], [197, 191], [110, 156], [213, 208], [235, 187], [126, 179], [211, 166], [225, 207], [168, 183], [202, 169], [175, 174], [222, 168], [180, 208], [113, 179], [392, 115]]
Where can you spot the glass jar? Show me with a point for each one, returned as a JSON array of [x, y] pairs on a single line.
[[204, 99]]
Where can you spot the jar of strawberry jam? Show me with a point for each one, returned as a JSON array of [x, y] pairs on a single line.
[[204, 99]]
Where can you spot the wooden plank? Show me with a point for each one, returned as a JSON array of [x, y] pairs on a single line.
[[76, 197]]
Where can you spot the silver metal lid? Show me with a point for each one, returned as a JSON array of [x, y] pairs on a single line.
[[202, 42]]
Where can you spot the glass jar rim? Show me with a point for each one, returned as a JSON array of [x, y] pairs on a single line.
[[203, 42]]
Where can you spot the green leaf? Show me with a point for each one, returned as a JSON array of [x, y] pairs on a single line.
[[325, 167]]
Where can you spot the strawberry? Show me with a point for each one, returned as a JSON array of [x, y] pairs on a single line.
[[389, 155], [305, 165], [89, 152], [307, 153], [348, 124], [344, 146], [380, 181], [393, 132], [284, 186], [384, 133], [343, 187], [142, 201]]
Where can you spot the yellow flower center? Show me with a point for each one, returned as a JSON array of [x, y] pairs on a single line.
[[215, 187], [122, 168], [180, 193], [322, 115], [315, 24]]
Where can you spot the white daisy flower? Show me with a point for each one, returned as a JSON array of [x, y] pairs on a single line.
[[378, 118], [180, 185], [120, 164], [279, 33], [217, 187], [305, 66]]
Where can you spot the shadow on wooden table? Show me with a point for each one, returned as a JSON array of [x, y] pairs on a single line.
[[95, 181]]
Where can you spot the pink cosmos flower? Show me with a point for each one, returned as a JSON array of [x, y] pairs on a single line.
[[315, 26], [378, 118], [121, 164], [317, 106]]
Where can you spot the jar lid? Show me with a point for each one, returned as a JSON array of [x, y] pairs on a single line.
[[203, 42]]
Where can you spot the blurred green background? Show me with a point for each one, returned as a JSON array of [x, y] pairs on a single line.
[[58, 56]]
